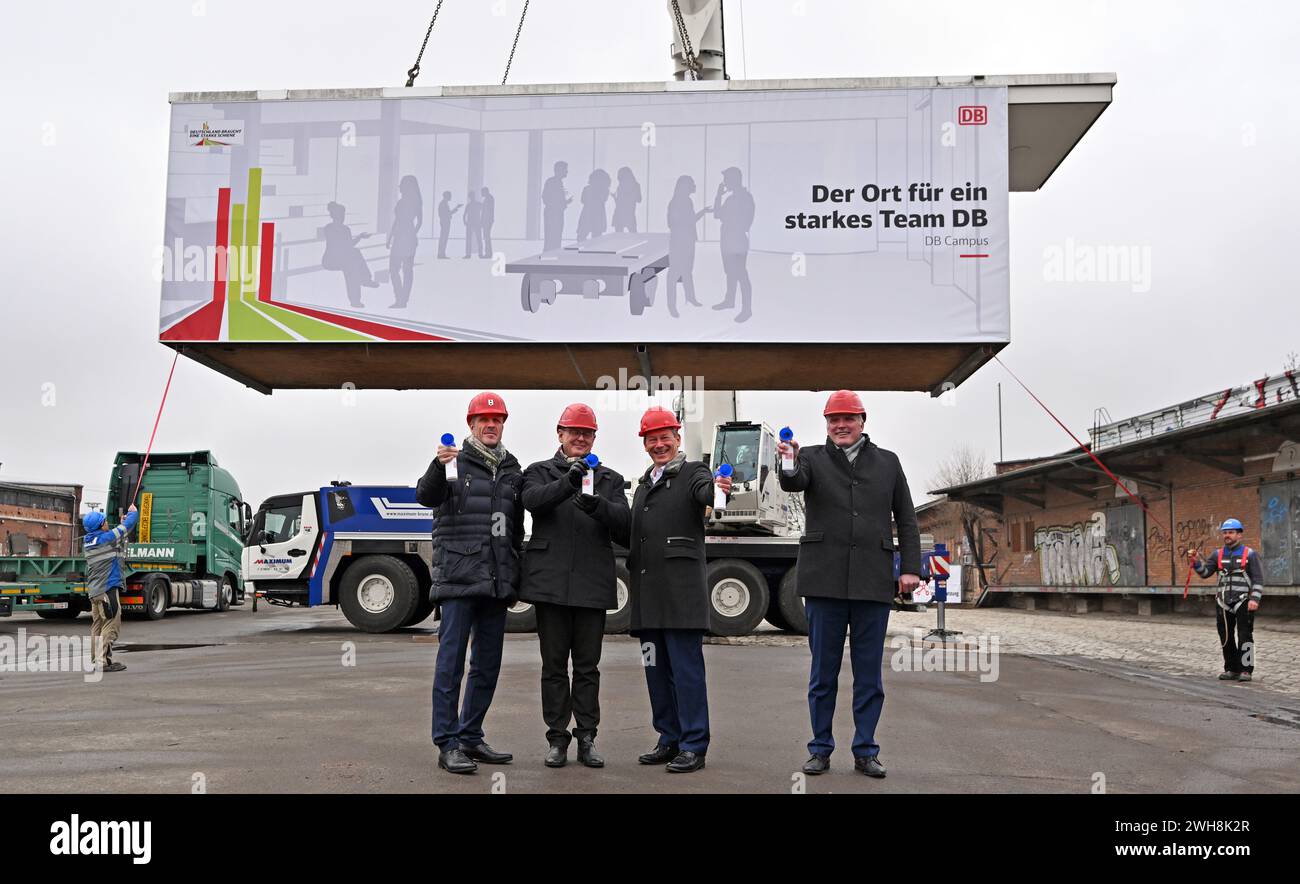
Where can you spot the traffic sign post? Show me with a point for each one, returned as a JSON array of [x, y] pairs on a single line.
[[939, 569]]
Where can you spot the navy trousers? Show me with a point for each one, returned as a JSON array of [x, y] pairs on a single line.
[[865, 624], [674, 674], [476, 625]]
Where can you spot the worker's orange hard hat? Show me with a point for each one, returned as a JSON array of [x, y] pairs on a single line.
[[485, 404], [844, 402], [579, 417], [657, 417]]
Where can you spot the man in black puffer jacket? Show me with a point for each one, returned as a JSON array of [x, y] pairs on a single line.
[[478, 536]]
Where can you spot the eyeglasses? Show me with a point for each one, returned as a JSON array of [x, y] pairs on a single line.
[[580, 433]]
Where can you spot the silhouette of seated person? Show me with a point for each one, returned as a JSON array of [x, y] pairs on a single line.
[[342, 254]]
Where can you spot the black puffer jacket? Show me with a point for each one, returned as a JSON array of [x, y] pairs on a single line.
[[569, 559], [470, 559]]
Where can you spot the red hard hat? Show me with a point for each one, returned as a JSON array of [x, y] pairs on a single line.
[[579, 417], [487, 403], [844, 402], [657, 417]]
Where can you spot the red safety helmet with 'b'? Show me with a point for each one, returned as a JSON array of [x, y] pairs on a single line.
[[485, 404], [578, 417], [844, 402], [657, 417]]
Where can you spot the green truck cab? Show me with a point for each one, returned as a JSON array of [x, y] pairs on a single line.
[[184, 553]]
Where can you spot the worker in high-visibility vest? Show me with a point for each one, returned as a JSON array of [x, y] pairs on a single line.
[[1241, 588]]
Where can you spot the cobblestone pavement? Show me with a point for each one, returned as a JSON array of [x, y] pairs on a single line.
[[1175, 644]]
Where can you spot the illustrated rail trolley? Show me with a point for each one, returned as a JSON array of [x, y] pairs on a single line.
[[606, 265]]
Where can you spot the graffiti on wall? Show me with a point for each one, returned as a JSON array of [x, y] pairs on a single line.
[[1105, 550]]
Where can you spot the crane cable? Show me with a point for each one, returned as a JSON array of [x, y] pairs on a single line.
[[415, 68], [515, 45]]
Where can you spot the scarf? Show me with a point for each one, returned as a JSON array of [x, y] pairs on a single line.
[[490, 456]]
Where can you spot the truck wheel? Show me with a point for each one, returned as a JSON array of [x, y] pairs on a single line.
[[619, 617], [423, 608], [378, 593], [737, 597], [225, 593], [521, 617], [774, 615], [71, 612], [157, 593], [791, 603]]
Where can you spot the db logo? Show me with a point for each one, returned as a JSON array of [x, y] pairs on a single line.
[[972, 115]]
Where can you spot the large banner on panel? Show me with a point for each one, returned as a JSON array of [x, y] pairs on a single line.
[[797, 216]]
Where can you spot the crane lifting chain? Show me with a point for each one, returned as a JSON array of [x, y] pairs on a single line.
[[688, 53], [514, 45], [415, 68]]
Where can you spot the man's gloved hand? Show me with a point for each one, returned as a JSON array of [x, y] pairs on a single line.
[[587, 503], [111, 603], [577, 470]]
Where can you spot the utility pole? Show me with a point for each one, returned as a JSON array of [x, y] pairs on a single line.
[[1000, 456]]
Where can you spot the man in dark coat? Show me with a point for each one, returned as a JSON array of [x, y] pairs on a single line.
[[569, 578], [478, 536], [670, 596], [846, 570]]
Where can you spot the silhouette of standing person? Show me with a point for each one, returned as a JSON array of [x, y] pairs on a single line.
[[554, 201], [734, 208], [682, 218], [625, 202], [489, 215], [342, 254], [473, 226], [408, 218], [445, 214], [592, 220]]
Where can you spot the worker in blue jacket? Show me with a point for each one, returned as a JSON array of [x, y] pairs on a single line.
[[104, 551]]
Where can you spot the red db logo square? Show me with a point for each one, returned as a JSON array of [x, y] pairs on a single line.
[[972, 115]]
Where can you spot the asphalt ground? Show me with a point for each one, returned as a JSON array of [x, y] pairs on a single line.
[[297, 701]]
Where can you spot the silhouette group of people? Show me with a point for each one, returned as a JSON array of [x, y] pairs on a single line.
[[480, 214], [342, 252], [733, 206]]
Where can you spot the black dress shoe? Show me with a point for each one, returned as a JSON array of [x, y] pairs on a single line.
[[817, 764], [587, 753], [486, 754], [870, 766], [557, 756], [686, 762], [661, 755], [454, 761]]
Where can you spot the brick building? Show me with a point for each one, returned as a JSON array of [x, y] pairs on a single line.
[[39, 519], [1056, 531]]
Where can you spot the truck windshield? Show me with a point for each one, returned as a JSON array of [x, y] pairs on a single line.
[[280, 520], [738, 447]]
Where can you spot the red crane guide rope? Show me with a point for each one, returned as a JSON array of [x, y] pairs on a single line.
[[144, 466], [1191, 557]]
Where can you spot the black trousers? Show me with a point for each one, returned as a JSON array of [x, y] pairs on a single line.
[[1237, 635], [563, 632]]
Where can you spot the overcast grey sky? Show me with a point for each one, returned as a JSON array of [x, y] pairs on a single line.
[[1192, 161]]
